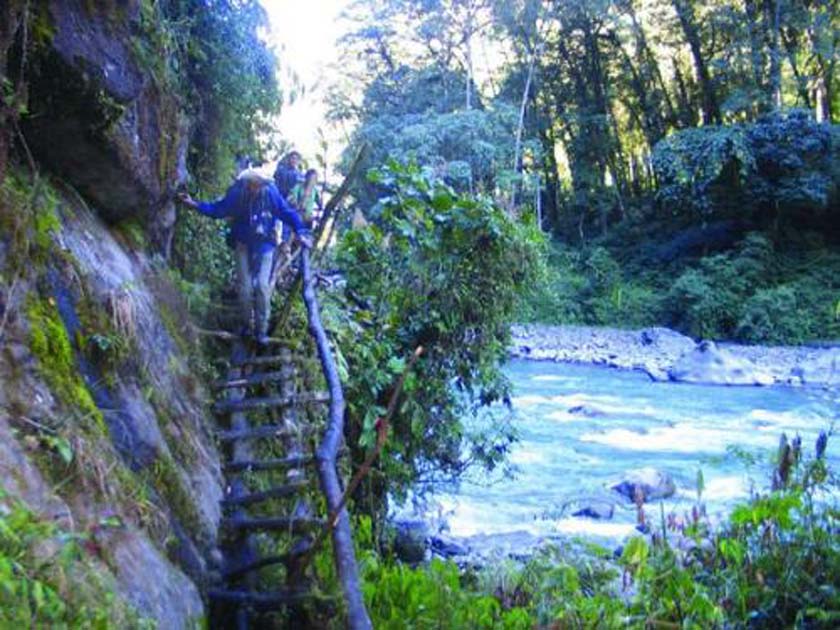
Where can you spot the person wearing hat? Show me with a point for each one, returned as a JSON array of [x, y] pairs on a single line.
[[288, 174], [255, 206]]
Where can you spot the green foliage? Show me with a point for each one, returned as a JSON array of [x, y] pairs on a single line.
[[472, 150], [554, 296], [438, 270], [751, 295], [201, 254], [37, 560], [699, 168], [28, 215], [773, 316], [579, 287], [398, 597], [569, 585], [164, 476], [782, 160], [706, 301], [774, 565]]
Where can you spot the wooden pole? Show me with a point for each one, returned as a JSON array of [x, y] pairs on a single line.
[[326, 455]]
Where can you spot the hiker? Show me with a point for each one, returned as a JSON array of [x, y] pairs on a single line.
[[255, 206], [288, 174], [305, 198]]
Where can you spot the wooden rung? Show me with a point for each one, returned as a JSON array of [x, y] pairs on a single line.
[[289, 523], [270, 464], [272, 360], [246, 404], [279, 492], [264, 431], [263, 600], [252, 379], [285, 559]]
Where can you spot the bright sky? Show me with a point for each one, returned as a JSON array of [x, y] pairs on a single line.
[[304, 33]]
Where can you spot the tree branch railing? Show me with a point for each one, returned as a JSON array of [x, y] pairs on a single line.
[[326, 456]]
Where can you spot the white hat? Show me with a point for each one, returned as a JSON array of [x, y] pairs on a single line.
[[253, 175]]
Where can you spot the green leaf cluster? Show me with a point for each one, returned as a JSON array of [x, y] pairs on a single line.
[[444, 271], [37, 561], [400, 597]]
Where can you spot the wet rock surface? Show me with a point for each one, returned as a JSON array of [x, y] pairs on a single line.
[[101, 122], [709, 364], [666, 355], [645, 485], [411, 540], [599, 510]]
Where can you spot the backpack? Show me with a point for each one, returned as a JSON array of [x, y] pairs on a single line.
[[257, 201]]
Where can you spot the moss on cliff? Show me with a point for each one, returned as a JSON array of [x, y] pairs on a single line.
[[50, 344], [164, 477], [29, 218]]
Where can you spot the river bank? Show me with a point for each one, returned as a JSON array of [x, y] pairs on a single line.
[[666, 355]]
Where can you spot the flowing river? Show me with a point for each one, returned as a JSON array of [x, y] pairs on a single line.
[[581, 427]]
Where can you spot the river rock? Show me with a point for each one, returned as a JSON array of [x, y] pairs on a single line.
[[824, 369], [599, 510], [587, 411], [708, 364], [667, 341], [410, 542], [650, 483], [448, 547]]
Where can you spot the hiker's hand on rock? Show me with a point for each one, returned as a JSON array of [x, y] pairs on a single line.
[[185, 199]]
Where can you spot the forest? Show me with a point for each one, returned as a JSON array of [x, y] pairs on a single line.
[[651, 141], [625, 164]]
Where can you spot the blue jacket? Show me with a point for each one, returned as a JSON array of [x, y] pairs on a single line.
[[239, 205]]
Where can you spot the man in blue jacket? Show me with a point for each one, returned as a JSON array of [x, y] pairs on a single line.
[[255, 206]]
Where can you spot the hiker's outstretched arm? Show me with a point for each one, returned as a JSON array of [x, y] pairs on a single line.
[[221, 208]]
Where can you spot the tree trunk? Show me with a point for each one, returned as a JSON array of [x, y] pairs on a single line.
[[709, 104], [773, 9], [517, 146]]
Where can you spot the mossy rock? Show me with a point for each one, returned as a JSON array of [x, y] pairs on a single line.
[[49, 342]]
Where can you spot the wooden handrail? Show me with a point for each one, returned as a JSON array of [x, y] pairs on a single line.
[[327, 454]]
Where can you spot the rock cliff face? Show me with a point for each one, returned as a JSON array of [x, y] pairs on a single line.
[[105, 435], [102, 117]]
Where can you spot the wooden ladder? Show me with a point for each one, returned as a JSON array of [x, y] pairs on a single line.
[[268, 415]]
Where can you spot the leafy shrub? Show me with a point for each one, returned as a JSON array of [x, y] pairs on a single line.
[[774, 564], [707, 301], [773, 316], [783, 159], [444, 271], [572, 289], [699, 168], [398, 597], [554, 296]]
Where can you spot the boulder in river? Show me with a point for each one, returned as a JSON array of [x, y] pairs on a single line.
[[650, 484], [708, 364], [599, 510], [669, 342], [448, 547], [587, 411], [410, 541]]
